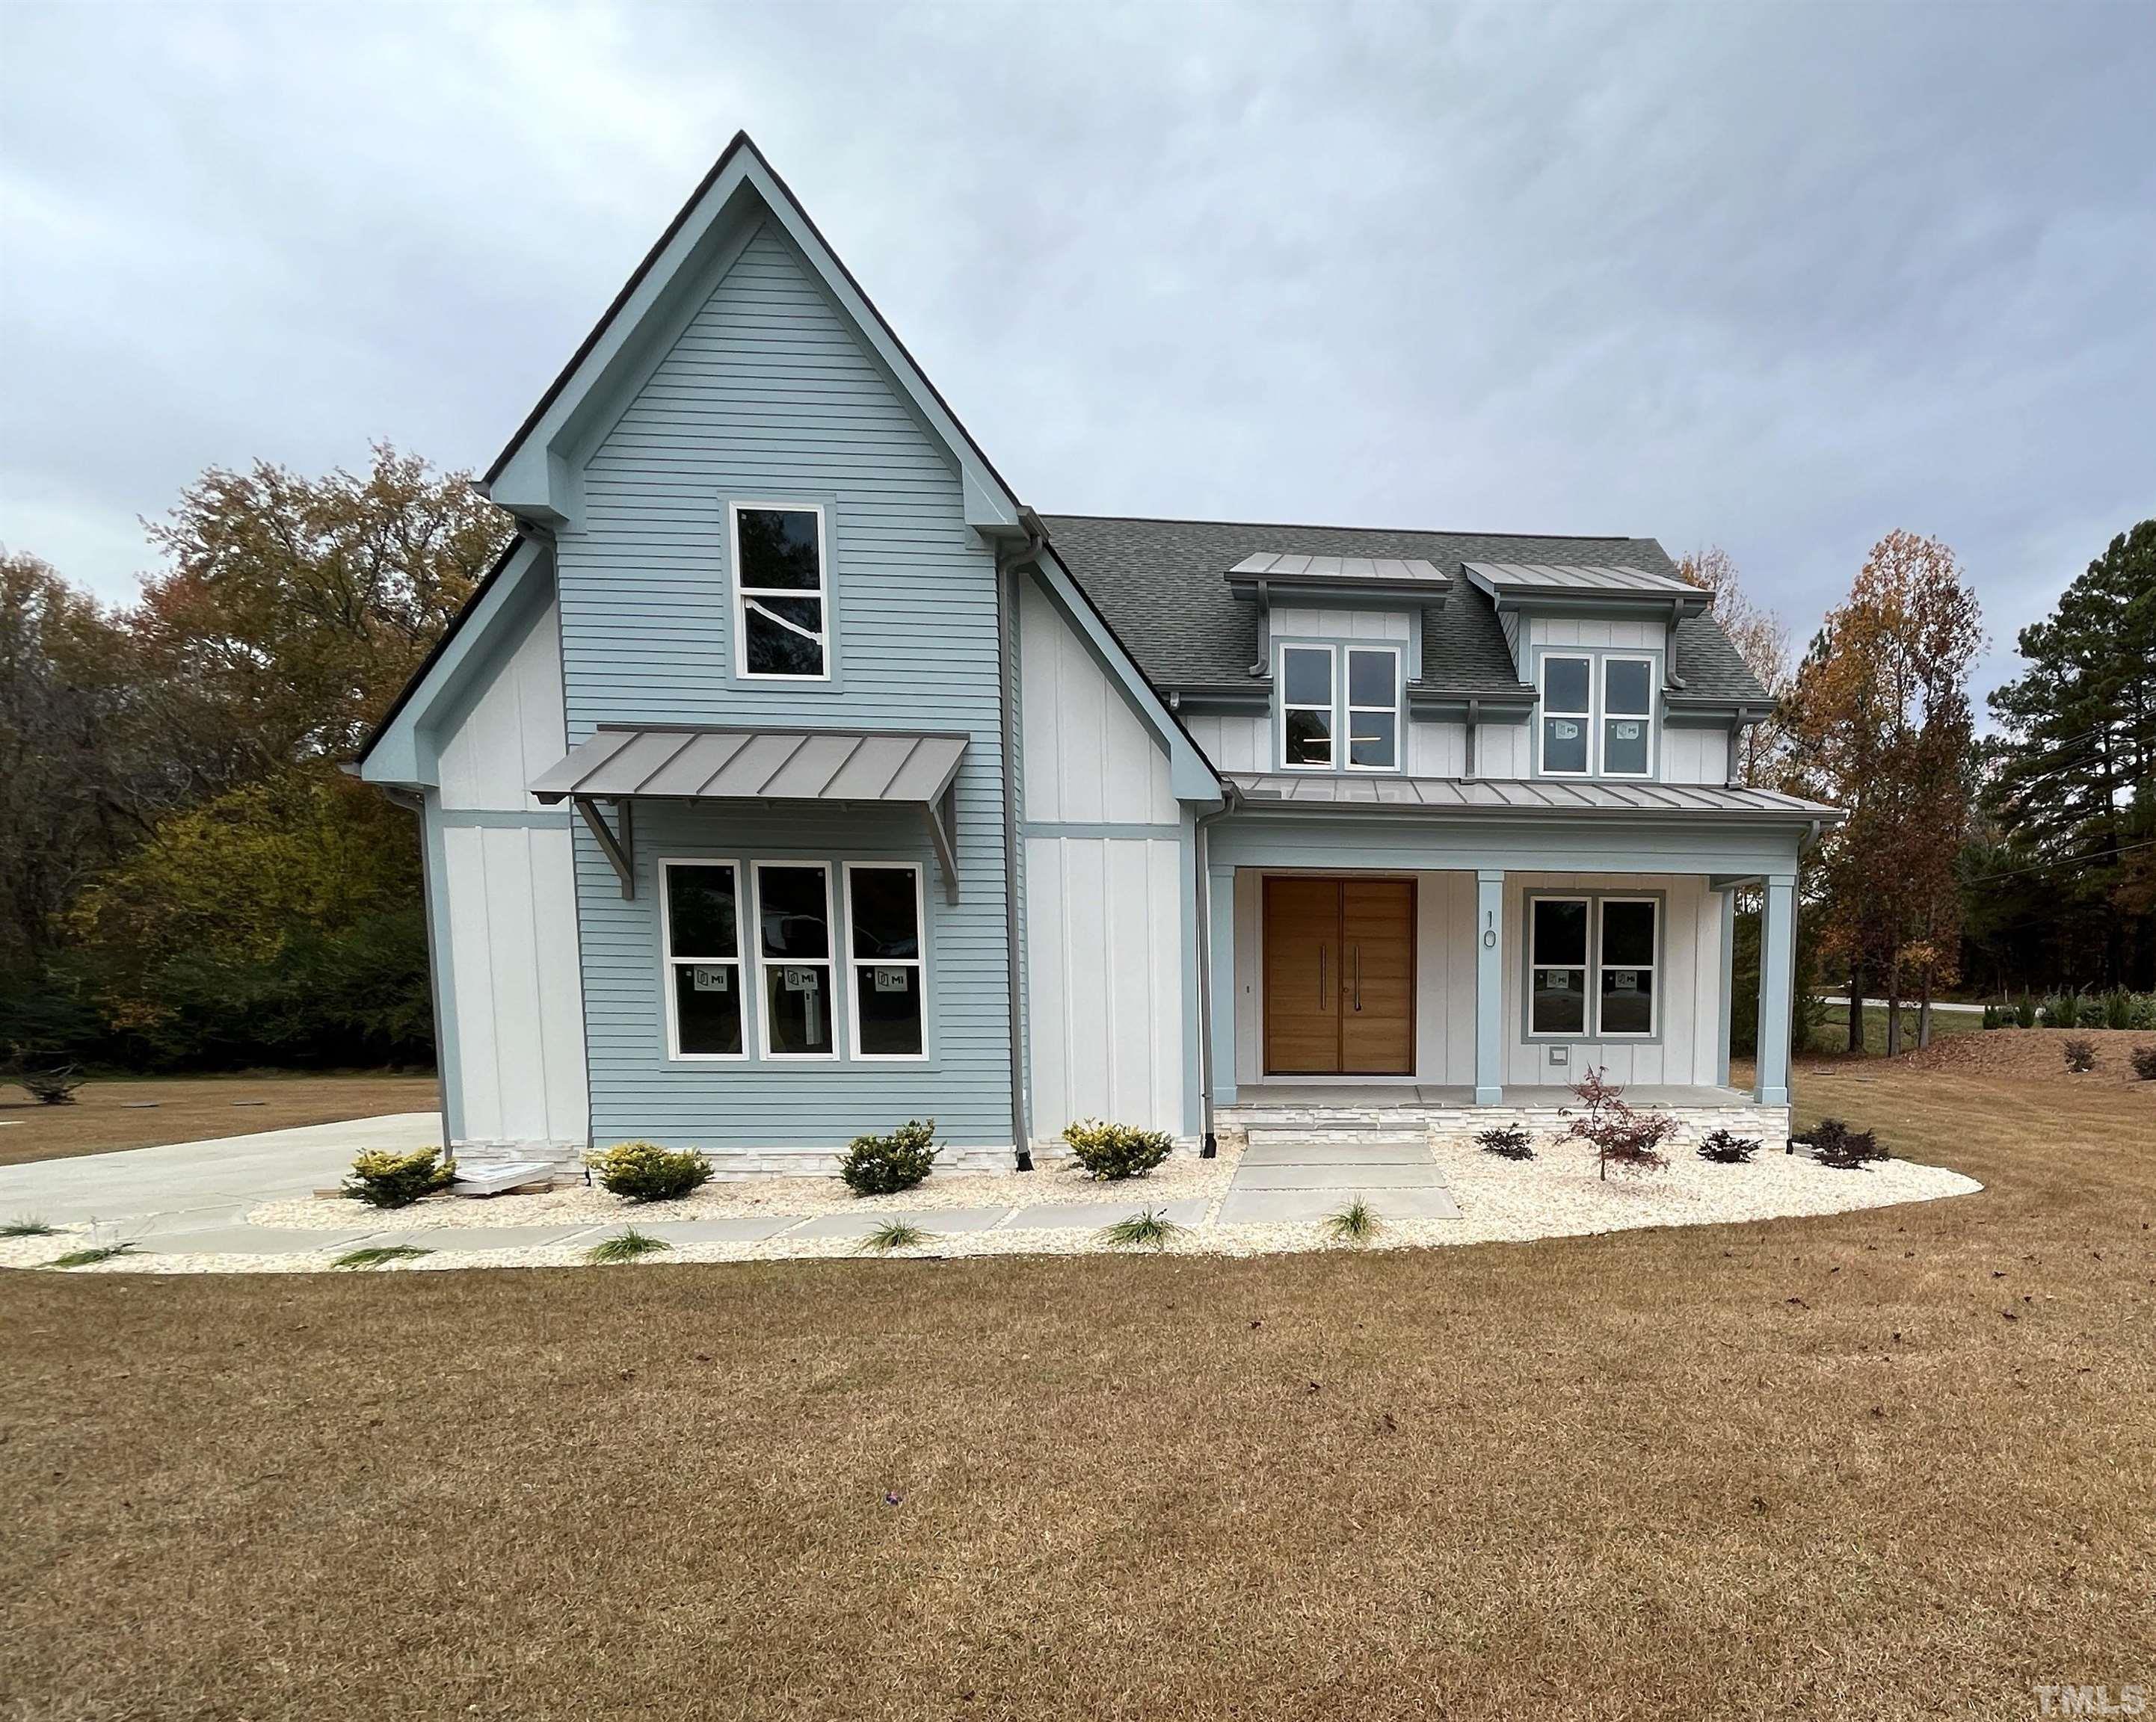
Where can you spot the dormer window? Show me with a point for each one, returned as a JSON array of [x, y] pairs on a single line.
[[1305, 684], [1598, 714], [1327, 692], [782, 623]]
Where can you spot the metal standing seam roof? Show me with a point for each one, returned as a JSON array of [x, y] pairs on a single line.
[[1499, 795], [756, 765], [1346, 570], [1546, 577]]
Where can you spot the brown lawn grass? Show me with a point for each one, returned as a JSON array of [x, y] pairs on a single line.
[[191, 1107], [1889, 1464]]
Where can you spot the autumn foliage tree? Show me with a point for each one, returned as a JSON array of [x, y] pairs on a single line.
[[1880, 724], [1762, 642]]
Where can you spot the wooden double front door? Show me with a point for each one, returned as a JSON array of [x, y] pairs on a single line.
[[1340, 976]]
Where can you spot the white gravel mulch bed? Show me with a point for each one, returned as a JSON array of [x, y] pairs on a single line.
[[1179, 1178], [1557, 1194]]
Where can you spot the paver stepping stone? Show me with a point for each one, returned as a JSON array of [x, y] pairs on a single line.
[[1091, 1216], [852, 1224], [1267, 1207], [745, 1228], [485, 1237], [248, 1241]]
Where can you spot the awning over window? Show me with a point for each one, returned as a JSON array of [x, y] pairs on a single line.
[[842, 767]]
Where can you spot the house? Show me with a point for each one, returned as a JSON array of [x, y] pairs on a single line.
[[788, 777]]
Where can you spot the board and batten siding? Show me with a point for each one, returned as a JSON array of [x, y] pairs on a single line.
[[1686, 1052], [505, 879], [770, 395], [1103, 901]]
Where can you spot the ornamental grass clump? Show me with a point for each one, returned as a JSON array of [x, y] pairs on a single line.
[[883, 1165], [1112, 1152], [1508, 1141], [1631, 1138], [892, 1235], [2080, 1056], [644, 1171], [92, 1254], [380, 1255], [382, 1178], [627, 1245], [1355, 1223], [1142, 1231]]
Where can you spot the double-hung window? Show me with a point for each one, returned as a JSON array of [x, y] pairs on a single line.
[[794, 958], [1598, 716], [1306, 683], [1614, 942], [1373, 709], [782, 593], [1567, 715], [703, 959], [887, 995]]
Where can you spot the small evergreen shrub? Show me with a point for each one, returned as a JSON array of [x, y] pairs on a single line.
[[883, 1165], [2080, 1055], [2024, 1012], [1993, 1017], [381, 1178], [1115, 1151], [1832, 1143], [2063, 1010], [1508, 1141], [644, 1171], [1725, 1150], [2119, 1008]]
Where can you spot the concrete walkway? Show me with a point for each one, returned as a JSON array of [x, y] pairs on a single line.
[[192, 1186], [1289, 1173]]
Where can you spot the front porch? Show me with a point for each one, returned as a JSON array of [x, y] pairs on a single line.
[[1344, 1112]]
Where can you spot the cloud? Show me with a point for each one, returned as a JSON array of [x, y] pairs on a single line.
[[1779, 278]]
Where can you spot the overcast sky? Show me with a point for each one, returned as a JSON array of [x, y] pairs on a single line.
[[1778, 279]]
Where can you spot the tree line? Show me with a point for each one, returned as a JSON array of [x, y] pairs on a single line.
[[188, 879]]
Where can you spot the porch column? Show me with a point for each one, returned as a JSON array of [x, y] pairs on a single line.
[[1778, 963], [1220, 976], [1488, 986]]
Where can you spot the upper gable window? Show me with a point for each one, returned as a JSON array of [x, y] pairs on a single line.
[[782, 593], [1331, 692], [1598, 714], [1373, 709]]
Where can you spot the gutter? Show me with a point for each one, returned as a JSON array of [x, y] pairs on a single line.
[[1008, 563]]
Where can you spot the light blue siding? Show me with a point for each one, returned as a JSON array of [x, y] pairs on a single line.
[[770, 395]]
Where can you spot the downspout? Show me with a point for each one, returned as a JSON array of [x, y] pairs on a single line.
[[1008, 563], [1264, 665], [1474, 734], [1210, 1147]]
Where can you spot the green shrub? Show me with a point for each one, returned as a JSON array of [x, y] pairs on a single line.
[[2080, 1055], [2117, 1008], [382, 1178], [2144, 1060], [883, 1165], [2025, 1012], [1727, 1150], [1115, 1151], [2064, 1010], [644, 1171]]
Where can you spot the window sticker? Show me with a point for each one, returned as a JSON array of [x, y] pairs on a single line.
[[890, 979], [711, 980], [802, 979]]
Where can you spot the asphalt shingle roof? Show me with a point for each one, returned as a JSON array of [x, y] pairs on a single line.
[[1160, 585]]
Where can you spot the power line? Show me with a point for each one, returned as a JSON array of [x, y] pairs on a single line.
[[2085, 861]]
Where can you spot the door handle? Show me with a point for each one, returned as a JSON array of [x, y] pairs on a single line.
[[1321, 978], [1358, 977]]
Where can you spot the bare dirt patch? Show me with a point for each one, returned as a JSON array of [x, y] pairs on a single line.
[[143, 1112], [2039, 1055]]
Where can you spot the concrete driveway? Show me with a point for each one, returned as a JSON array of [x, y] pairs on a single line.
[[199, 1187]]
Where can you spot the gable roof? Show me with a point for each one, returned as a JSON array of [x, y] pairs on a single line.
[[523, 477], [1159, 584]]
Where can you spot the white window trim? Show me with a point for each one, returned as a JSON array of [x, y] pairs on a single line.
[[856, 964], [1652, 967], [1345, 749], [1331, 709], [1600, 693], [668, 962], [1543, 714], [1585, 967], [833, 962], [744, 593]]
